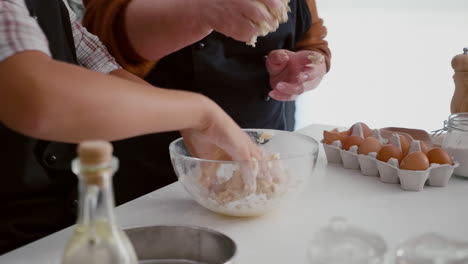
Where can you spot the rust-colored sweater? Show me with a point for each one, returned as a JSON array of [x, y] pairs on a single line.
[[106, 19]]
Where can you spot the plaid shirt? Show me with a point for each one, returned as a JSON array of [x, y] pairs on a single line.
[[20, 32]]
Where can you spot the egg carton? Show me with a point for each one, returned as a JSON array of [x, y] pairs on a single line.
[[389, 172]]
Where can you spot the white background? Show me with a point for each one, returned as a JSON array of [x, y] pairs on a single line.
[[391, 63]]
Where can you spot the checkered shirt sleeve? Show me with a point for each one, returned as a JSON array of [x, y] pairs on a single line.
[[21, 32]]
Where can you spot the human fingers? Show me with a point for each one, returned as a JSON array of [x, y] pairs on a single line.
[[249, 174], [278, 8], [310, 57], [229, 18], [276, 61], [259, 14], [290, 88], [279, 96], [309, 74]]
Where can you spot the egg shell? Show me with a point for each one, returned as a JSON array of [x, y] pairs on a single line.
[[405, 145], [439, 156], [366, 131], [416, 161], [352, 141], [389, 151], [329, 137], [344, 133], [369, 144]]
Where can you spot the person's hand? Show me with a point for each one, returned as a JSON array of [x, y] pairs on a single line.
[[222, 139], [243, 20], [293, 73]]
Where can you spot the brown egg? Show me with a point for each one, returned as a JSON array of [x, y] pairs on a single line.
[[369, 144], [365, 130], [329, 137], [439, 156], [389, 151], [415, 161], [344, 133], [352, 141], [405, 145]]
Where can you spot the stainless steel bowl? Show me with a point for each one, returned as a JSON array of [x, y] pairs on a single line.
[[181, 245]]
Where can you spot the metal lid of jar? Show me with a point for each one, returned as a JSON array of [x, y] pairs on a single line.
[[458, 121]]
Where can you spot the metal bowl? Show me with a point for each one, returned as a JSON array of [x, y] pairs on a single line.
[[181, 245]]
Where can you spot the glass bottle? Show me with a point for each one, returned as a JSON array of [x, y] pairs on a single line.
[[97, 238], [456, 141]]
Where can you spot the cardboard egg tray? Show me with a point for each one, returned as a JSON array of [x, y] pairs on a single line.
[[389, 172]]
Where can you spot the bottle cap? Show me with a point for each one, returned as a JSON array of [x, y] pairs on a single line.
[[95, 155], [96, 152]]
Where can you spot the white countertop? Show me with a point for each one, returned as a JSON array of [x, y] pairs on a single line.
[[281, 236]]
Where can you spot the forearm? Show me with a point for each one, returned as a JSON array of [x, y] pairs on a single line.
[[158, 28], [62, 102], [121, 73]]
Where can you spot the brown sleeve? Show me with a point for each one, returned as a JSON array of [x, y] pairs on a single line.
[[106, 19], [314, 39]]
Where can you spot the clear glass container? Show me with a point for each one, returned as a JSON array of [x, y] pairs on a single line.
[[97, 238], [218, 185], [342, 244], [432, 248], [456, 141]]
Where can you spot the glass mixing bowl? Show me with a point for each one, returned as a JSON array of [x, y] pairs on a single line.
[[219, 185]]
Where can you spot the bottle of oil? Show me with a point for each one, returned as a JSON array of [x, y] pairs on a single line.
[[97, 238]]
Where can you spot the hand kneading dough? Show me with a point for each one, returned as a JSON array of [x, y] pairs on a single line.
[[225, 182]]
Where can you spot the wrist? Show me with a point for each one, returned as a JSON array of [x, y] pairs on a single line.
[[210, 114]]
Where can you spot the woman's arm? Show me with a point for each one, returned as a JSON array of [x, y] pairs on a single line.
[[51, 100], [158, 28], [139, 31]]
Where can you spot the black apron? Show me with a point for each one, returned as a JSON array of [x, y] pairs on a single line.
[[233, 75], [38, 190]]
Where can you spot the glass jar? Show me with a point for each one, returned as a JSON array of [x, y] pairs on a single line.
[[456, 141], [431, 248], [340, 243]]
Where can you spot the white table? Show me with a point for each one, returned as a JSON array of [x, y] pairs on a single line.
[[281, 236]]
